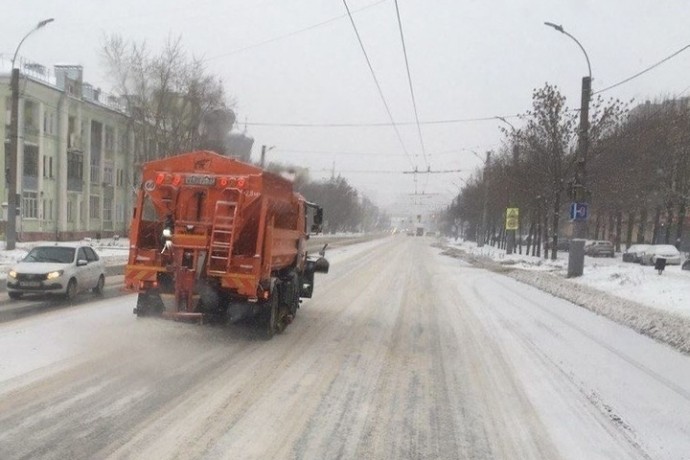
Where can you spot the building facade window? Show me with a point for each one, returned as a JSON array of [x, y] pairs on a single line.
[[49, 123], [95, 173], [109, 139], [119, 213], [31, 122], [108, 173], [72, 135], [30, 160], [108, 209], [70, 211], [94, 206], [29, 209], [75, 165]]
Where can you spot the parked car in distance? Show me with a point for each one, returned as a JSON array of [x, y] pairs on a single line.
[[667, 251], [65, 269], [562, 245], [634, 252], [599, 248]]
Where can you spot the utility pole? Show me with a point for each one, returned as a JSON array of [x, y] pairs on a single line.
[[580, 185], [11, 229], [264, 151], [482, 230], [579, 194], [510, 246], [576, 253]]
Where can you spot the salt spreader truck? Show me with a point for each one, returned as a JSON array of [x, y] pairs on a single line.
[[213, 238]]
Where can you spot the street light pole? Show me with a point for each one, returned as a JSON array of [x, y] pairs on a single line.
[[510, 247], [485, 200], [12, 200], [576, 254], [265, 150]]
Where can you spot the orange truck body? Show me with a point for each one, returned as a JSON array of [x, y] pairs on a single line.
[[213, 237]]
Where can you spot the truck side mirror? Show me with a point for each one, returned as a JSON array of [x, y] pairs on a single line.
[[321, 265], [318, 221]]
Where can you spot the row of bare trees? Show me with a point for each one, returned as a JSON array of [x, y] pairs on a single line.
[[638, 174], [174, 104]]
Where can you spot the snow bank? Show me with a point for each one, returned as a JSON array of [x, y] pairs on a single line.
[[664, 326]]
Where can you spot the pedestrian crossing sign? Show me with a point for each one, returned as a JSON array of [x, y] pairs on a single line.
[[512, 215]]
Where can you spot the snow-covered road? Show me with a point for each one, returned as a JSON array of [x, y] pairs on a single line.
[[402, 353]]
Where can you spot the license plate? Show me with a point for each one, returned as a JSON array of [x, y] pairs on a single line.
[[30, 283]]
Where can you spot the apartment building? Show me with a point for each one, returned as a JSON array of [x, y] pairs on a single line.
[[74, 162]]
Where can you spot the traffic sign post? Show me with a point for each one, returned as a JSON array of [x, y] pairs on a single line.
[[579, 211], [512, 215], [512, 224]]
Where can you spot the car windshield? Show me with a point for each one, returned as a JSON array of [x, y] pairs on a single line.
[[666, 249], [637, 247], [50, 254]]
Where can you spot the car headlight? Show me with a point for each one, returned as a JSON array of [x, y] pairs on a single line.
[[12, 274], [55, 274]]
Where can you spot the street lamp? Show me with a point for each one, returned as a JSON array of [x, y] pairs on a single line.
[[12, 202], [485, 197], [265, 150], [576, 254]]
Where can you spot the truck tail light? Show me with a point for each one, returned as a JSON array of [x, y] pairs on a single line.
[[160, 178], [241, 182], [177, 180]]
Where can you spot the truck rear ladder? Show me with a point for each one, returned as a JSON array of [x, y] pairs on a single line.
[[222, 237]]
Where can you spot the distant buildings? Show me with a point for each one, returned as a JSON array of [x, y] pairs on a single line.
[[74, 165]]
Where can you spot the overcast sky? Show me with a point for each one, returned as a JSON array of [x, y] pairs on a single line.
[[468, 59]]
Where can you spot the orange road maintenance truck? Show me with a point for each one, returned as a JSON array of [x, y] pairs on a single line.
[[216, 239]]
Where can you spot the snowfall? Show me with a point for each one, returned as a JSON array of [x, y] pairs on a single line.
[[657, 305]]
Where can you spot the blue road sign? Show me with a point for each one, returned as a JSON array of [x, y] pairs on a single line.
[[579, 211]]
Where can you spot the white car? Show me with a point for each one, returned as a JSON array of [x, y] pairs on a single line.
[[65, 269], [667, 251]]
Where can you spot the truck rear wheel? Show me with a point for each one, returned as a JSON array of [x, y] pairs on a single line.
[[273, 317], [148, 304], [293, 299]]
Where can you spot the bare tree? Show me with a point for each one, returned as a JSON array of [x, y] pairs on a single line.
[[174, 105]]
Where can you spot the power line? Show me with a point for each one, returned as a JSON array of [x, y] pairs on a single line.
[[378, 86], [368, 171], [290, 34], [643, 71], [375, 124], [409, 81], [361, 154]]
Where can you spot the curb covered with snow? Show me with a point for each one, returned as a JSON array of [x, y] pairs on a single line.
[[669, 328]]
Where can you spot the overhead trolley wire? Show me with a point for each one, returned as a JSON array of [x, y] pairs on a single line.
[[378, 86], [409, 81], [376, 124], [290, 34], [643, 71]]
